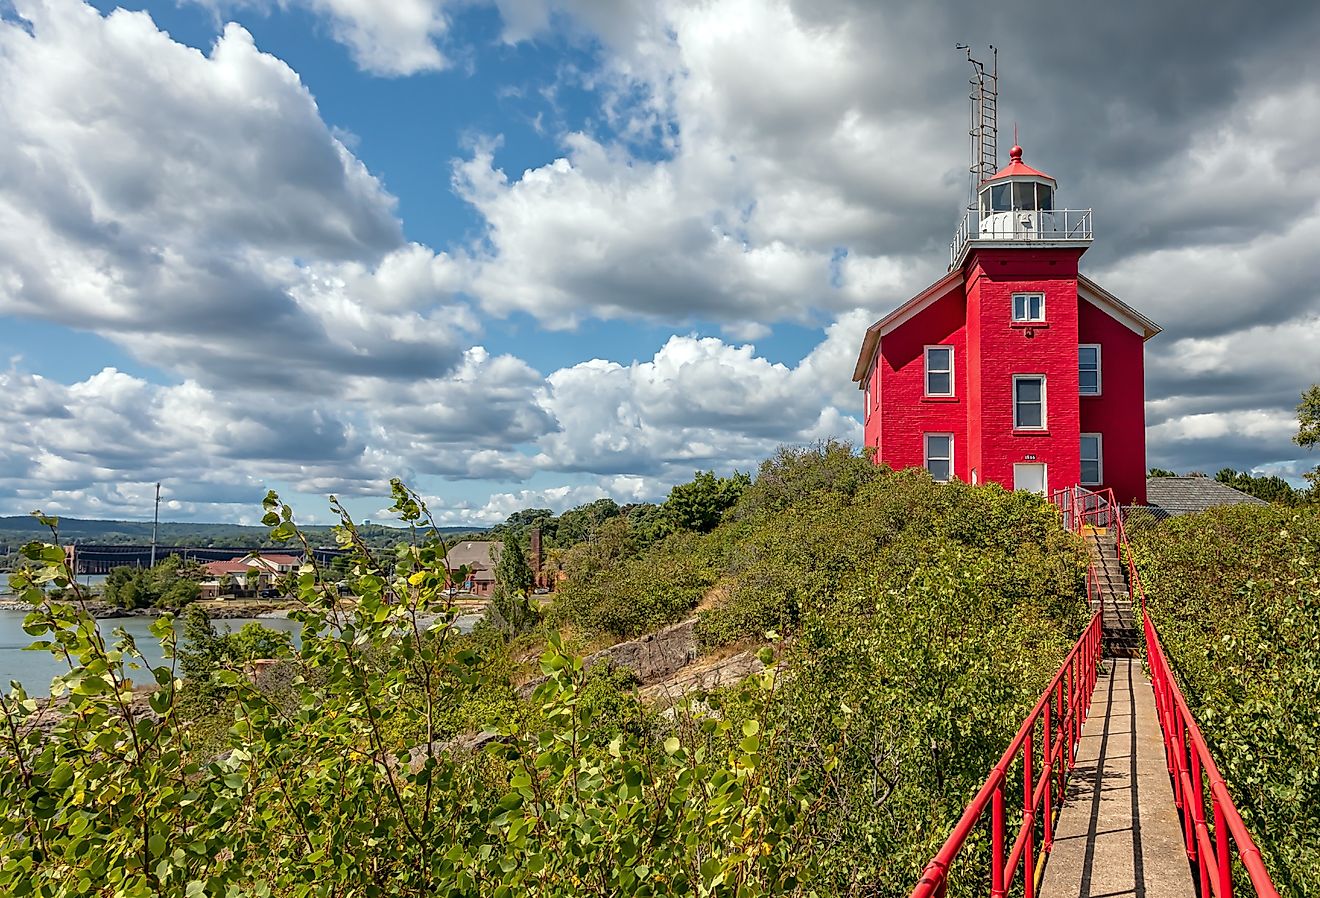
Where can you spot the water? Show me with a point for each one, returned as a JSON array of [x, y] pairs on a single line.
[[34, 669]]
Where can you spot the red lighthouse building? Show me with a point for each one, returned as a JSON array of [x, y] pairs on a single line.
[[1014, 367]]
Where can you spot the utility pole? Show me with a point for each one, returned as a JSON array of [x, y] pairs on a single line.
[[155, 523]]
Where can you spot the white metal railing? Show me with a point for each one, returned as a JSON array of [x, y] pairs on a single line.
[[1021, 225]]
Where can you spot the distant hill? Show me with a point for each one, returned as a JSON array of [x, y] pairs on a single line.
[[18, 529]]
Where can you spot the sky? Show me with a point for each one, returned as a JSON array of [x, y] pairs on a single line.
[[537, 252]]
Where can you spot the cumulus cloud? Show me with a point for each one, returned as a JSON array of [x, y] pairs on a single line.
[[698, 403], [384, 37], [199, 212], [746, 163], [101, 444], [596, 233]]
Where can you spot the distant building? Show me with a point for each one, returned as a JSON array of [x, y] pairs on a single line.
[[480, 558], [246, 573], [1014, 367], [1169, 496]]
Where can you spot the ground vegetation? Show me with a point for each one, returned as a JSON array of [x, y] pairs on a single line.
[[1235, 595], [899, 663], [172, 583]]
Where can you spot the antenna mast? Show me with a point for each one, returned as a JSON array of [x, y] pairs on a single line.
[[984, 129]]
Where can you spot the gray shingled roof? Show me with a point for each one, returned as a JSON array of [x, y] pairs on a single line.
[[478, 555], [1186, 495]]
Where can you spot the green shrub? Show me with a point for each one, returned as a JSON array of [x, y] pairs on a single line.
[[926, 619], [616, 587], [813, 551], [320, 790], [1235, 595], [171, 584]]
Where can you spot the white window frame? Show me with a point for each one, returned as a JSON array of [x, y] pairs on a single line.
[[925, 453], [1044, 415], [867, 409], [1044, 475], [1027, 308], [1099, 460], [925, 374], [1099, 369]]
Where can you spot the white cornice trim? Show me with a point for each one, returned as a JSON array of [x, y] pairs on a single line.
[[1120, 311]]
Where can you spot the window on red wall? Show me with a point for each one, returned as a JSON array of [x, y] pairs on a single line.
[[1088, 369], [1028, 306], [1029, 402], [1093, 466], [939, 370], [939, 456]]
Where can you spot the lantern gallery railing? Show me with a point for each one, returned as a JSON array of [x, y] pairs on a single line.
[[1021, 225]]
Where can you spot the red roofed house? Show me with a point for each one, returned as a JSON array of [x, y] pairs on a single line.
[[249, 573], [1014, 367]]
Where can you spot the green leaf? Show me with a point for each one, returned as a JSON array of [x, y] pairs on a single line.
[[62, 777]]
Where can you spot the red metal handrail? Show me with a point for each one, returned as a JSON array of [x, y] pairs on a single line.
[[1187, 756], [1063, 707], [1059, 714], [1190, 765]]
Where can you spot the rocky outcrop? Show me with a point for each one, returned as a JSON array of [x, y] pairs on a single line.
[[469, 742], [652, 657], [703, 677]]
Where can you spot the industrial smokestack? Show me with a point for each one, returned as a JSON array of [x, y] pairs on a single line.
[[537, 557]]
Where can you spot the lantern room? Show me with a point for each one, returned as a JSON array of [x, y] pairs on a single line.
[[1017, 202], [1017, 205]]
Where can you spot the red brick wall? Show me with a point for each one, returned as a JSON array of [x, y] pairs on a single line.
[[989, 348], [1007, 348], [1118, 413], [908, 413]]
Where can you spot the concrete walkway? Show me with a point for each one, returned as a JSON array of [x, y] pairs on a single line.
[[1118, 833]]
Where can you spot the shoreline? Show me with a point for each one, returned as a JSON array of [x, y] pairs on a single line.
[[102, 611]]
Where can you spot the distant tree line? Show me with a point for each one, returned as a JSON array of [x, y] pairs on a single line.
[[1271, 487], [17, 530], [696, 506]]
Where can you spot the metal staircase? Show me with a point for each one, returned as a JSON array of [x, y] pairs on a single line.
[[1111, 594]]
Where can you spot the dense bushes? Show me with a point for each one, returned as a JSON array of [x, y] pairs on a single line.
[[1235, 594], [920, 689], [819, 527], [171, 584], [915, 651], [344, 784], [614, 587]]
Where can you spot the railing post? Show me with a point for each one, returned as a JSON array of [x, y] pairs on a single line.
[[997, 842], [1181, 791], [1047, 758], [1202, 862], [1072, 713], [1028, 818], [1223, 862], [1060, 736], [1197, 806]]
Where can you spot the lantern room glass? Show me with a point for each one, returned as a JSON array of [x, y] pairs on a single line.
[[1014, 196]]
